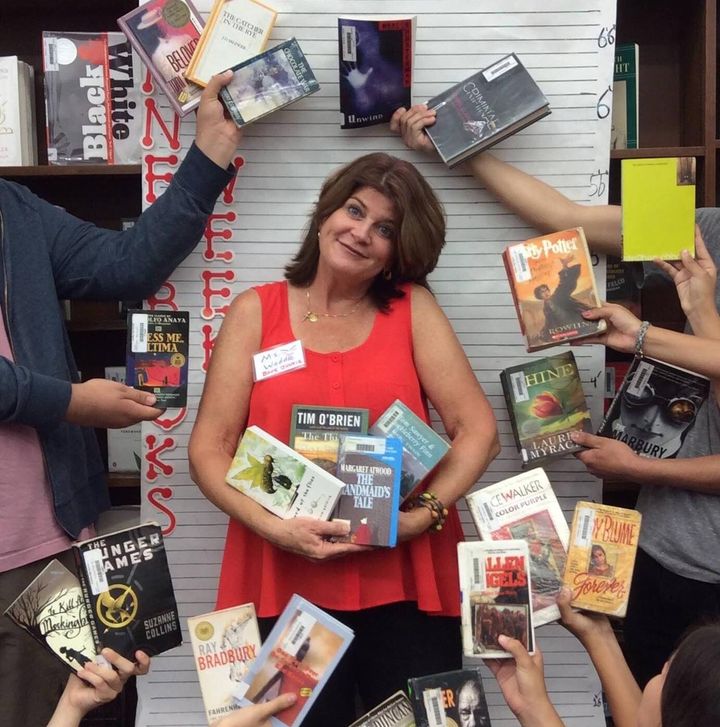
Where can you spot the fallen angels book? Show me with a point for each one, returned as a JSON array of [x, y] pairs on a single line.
[[376, 68], [235, 30], [423, 447], [128, 591], [298, 656], [601, 557], [524, 507], [157, 354], [484, 109], [224, 644], [281, 480], [655, 407], [552, 282], [165, 33], [395, 711], [449, 699], [315, 431], [625, 98], [370, 467], [546, 403], [496, 596], [268, 82], [658, 208]]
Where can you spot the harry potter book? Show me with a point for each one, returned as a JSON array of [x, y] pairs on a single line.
[[496, 596], [552, 283], [546, 403], [298, 656], [128, 591], [395, 711], [524, 507], [225, 644], [601, 557]]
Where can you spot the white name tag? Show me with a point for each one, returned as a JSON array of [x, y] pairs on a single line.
[[278, 360]]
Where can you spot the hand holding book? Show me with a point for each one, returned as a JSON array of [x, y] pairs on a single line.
[[622, 327], [410, 124]]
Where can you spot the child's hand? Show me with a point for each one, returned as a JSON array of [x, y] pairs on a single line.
[[582, 624]]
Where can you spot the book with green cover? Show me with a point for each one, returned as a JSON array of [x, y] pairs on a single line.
[[624, 133]]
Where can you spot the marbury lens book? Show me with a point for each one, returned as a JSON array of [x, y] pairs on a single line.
[[601, 557], [395, 711], [546, 403], [552, 283]]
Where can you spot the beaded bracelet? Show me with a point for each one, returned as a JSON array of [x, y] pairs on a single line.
[[640, 338], [430, 501]]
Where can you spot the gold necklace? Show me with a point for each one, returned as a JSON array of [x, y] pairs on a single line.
[[313, 317]]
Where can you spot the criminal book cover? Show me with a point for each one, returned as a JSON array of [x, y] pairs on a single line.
[[157, 354], [370, 467], [395, 711], [315, 431], [52, 609], [128, 591], [449, 699], [165, 33], [496, 596], [423, 447], [524, 507], [546, 403], [484, 109], [552, 283], [625, 98], [268, 82], [298, 656], [92, 98], [281, 480], [376, 64], [601, 557], [655, 407], [224, 644]]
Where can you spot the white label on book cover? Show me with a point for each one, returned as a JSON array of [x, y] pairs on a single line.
[[519, 386], [95, 570], [278, 360], [349, 43], [478, 573], [642, 375], [609, 382], [586, 518], [519, 262], [298, 632], [387, 422], [139, 333], [502, 66], [434, 707], [376, 445]]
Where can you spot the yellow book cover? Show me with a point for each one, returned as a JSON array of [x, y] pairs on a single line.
[[658, 208], [601, 557]]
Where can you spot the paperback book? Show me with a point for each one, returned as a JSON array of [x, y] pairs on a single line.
[[395, 711], [268, 82], [298, 656], [224, 644], [18, 145], [552, 283], [423, 447], [524, 507], [655, 407], [545, 403], [157, 354], [376, 66], [370, 467], [281, 480], [496, 596], [624, 134], [601, 557], [484, 109], [124, 444]]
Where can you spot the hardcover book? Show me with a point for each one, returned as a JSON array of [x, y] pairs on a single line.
[[298, 656], [624, 134], [601, 557], [157, 354], [268, 82], [655, 407], [496, 596], [225, 644], [524, 507], [125, 443], [281, 480], [484, 109], [235, 30], [315, 431], [552, 283], [376, 65], [165, 34], [658, 208], [395, 711], [545, 403], [128, 591], [17, 123], [449, 699], [370, 467], [423, 448]]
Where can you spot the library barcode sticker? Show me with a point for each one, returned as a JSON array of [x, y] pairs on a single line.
[[139, 332], [640, 378], [389, 419], [349, 43], [370, 445], [96, 571], [519, 387], [519, 262], [586, 520], [502, 66], [478, 573], [434, 707], [299, 630]]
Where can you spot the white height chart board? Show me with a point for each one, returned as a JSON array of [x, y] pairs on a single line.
[[568, 46]]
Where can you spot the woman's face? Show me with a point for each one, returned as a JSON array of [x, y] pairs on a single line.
[[598, 557]]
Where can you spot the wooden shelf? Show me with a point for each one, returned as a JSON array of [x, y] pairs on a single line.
[[123, 479], [658, 151], [71, 170]]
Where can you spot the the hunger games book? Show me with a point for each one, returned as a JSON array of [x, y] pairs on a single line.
[[552, 283], [495, 591], [128, 591], [601, 557], [524, 507], [546, 403], [395, 711], [225, 644]]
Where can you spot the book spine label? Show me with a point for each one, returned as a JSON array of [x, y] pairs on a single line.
[[84, 585]]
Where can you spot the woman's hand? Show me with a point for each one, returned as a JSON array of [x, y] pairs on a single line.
[[313, 539], [585, 626], [622, 327], [257, 715], [413, 523], [411, 123]]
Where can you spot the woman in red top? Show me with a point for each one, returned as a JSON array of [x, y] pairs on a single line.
[[357, 297]]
